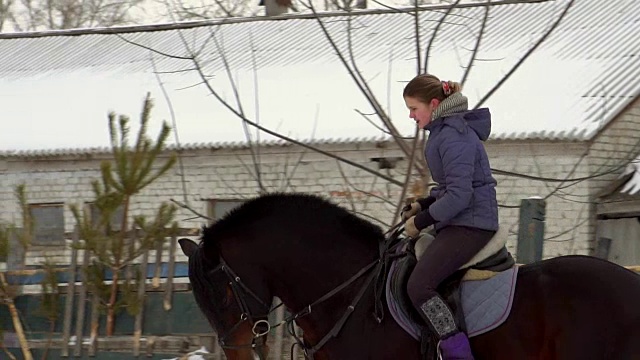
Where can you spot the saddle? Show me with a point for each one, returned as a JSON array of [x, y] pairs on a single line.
[[495, 259]]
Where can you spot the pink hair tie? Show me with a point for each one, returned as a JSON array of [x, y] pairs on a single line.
[[446, 88]]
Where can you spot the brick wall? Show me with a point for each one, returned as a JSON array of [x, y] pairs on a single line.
[[209, 174], [616, 145], [567, 228]]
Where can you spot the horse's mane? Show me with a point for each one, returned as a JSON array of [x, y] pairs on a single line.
[[291, 206]]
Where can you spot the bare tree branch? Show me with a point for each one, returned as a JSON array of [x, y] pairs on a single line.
[[256, 97], [478, 41], [416, 34], [49, 14], [206, 9], [346, 179], [380, 128], [154, 50], [252, 146], [211, 90], [526, 56], [6, 8], [435, 33], [407, 179], [360, 83], [174, 125], [304, 152], [187, 207]]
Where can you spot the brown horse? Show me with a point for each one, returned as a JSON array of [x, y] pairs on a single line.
[[321, 261]]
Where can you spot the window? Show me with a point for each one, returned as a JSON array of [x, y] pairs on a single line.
[[116, 218], [219, 208], [48, 221]]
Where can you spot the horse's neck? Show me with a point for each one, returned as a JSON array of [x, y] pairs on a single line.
[[307, 276]]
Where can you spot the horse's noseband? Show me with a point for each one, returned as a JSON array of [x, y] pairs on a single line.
[[259, 328]]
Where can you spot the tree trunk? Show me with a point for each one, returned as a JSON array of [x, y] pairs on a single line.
[[111, 306]]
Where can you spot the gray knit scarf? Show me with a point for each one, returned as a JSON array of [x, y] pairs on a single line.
[[455, 103]]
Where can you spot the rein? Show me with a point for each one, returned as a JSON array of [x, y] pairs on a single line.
[[386, 253]]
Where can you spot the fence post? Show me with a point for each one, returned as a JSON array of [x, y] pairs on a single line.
[[603, 245], [82, 304], [71, 293], [531, 230]]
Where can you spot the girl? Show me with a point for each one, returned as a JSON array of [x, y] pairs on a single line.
[[462, 207]]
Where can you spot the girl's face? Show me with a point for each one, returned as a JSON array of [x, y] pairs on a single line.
[[420, 112]]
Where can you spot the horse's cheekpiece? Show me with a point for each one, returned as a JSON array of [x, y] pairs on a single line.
[[480, 296]]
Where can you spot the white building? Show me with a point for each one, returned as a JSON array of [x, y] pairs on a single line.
[[566, 123]]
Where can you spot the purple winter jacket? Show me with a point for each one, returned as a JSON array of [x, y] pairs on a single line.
[[465, 194]]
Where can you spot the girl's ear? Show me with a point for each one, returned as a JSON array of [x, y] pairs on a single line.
[[435, 103]]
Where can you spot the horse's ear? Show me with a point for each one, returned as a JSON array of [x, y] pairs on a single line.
[[189, 247]]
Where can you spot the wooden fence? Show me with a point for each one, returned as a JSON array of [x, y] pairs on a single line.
[[168, 323]]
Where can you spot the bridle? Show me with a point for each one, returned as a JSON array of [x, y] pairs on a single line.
[[239, 288], [241, 291]]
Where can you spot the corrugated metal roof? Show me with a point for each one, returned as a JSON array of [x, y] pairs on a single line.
[[577, 81], [230, 145]]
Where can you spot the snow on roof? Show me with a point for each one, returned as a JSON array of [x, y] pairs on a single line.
[[57, 87], [632, 186]]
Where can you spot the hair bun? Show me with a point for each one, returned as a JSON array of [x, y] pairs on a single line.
[[446, 88]]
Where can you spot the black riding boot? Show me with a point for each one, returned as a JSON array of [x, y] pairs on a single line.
[[453, 344]]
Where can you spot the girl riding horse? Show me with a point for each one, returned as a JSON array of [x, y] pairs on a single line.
[[463, 206]]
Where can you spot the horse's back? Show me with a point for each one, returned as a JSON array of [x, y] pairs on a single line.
[[570, 307]]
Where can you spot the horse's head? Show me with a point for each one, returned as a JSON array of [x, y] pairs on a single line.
[[237, 313], [247, 256]]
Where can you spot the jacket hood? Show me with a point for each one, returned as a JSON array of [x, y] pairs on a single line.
[[479, 120]]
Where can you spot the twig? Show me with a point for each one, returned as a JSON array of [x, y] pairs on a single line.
[[366, 192], [346, 187], [373, 218], [435, 33], [526, 56], [478, 41], [407, 179], [416, 26], [240, 109], [6, 351], [226, 183], [154, 50], [357, 78], [175, 128], [185, 206], [256, 96], [304, 151], [366, 117]]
